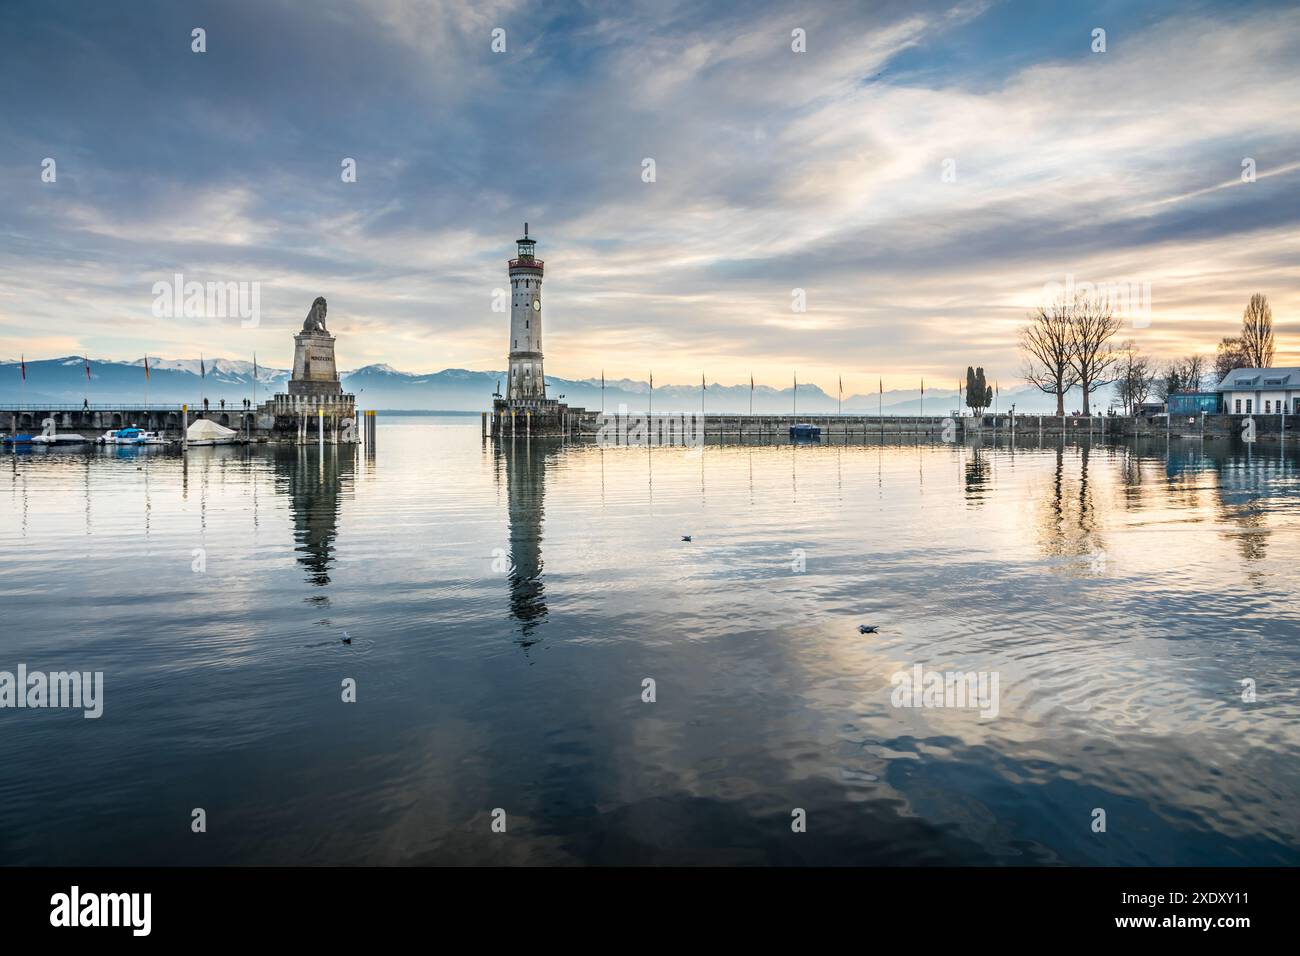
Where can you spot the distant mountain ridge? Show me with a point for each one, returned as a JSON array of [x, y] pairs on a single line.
[[173, 381]]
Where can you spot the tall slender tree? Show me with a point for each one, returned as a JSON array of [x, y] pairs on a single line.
[[1045, 342], [1257, 332], [979, 394]]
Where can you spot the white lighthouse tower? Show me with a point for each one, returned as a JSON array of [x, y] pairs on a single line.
[[526, 382]]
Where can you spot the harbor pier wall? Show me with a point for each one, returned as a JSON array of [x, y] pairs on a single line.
[[281, 419], [667, 428]]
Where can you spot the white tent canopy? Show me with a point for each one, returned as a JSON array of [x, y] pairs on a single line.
[[204, 431]]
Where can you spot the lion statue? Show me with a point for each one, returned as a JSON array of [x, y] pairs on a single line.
[[315, 321]]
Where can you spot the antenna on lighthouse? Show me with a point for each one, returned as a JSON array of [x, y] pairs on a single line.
[[525, 230]]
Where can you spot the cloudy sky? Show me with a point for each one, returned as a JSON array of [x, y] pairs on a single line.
[[774, 171]]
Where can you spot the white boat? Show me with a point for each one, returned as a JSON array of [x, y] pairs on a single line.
[[205, 432], [49, 436], [131, 436], [67, 438]]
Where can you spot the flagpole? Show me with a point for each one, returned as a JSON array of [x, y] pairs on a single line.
[[703, 388], [751, 394], [602, 391], [839, 401], [650, 405], [922, 398], [796, 396]]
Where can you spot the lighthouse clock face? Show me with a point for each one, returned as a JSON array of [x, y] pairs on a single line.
[[537, 305]]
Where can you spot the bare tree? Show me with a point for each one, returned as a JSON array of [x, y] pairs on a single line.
[[1181, 375], [1045, 342], [1228, 355], [1257, 332], [1093, 323], [1169, 382], [1135, 376], [1193, 373]]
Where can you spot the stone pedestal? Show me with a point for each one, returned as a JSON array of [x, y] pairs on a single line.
[[314, 371]]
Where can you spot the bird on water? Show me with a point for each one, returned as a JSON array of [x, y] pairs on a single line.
[[867, 629], [686, 537], [347, 638]]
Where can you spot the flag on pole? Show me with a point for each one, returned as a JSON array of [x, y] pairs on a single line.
[[203, 369], [146, 369], [86, 360], [24, 365]]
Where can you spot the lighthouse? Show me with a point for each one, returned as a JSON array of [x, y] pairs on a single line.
[[525, 411], [526, 382]]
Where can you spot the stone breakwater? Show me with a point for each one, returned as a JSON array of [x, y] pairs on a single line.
[[669, 428]]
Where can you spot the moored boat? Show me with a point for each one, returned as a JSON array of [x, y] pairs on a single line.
[[50, 436], [207, 432], [67, 438], [131, 436], [805, 431]]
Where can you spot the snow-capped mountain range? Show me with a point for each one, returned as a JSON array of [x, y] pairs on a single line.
[[63, 381]]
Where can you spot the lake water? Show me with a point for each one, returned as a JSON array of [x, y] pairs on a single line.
[[507, 604]]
